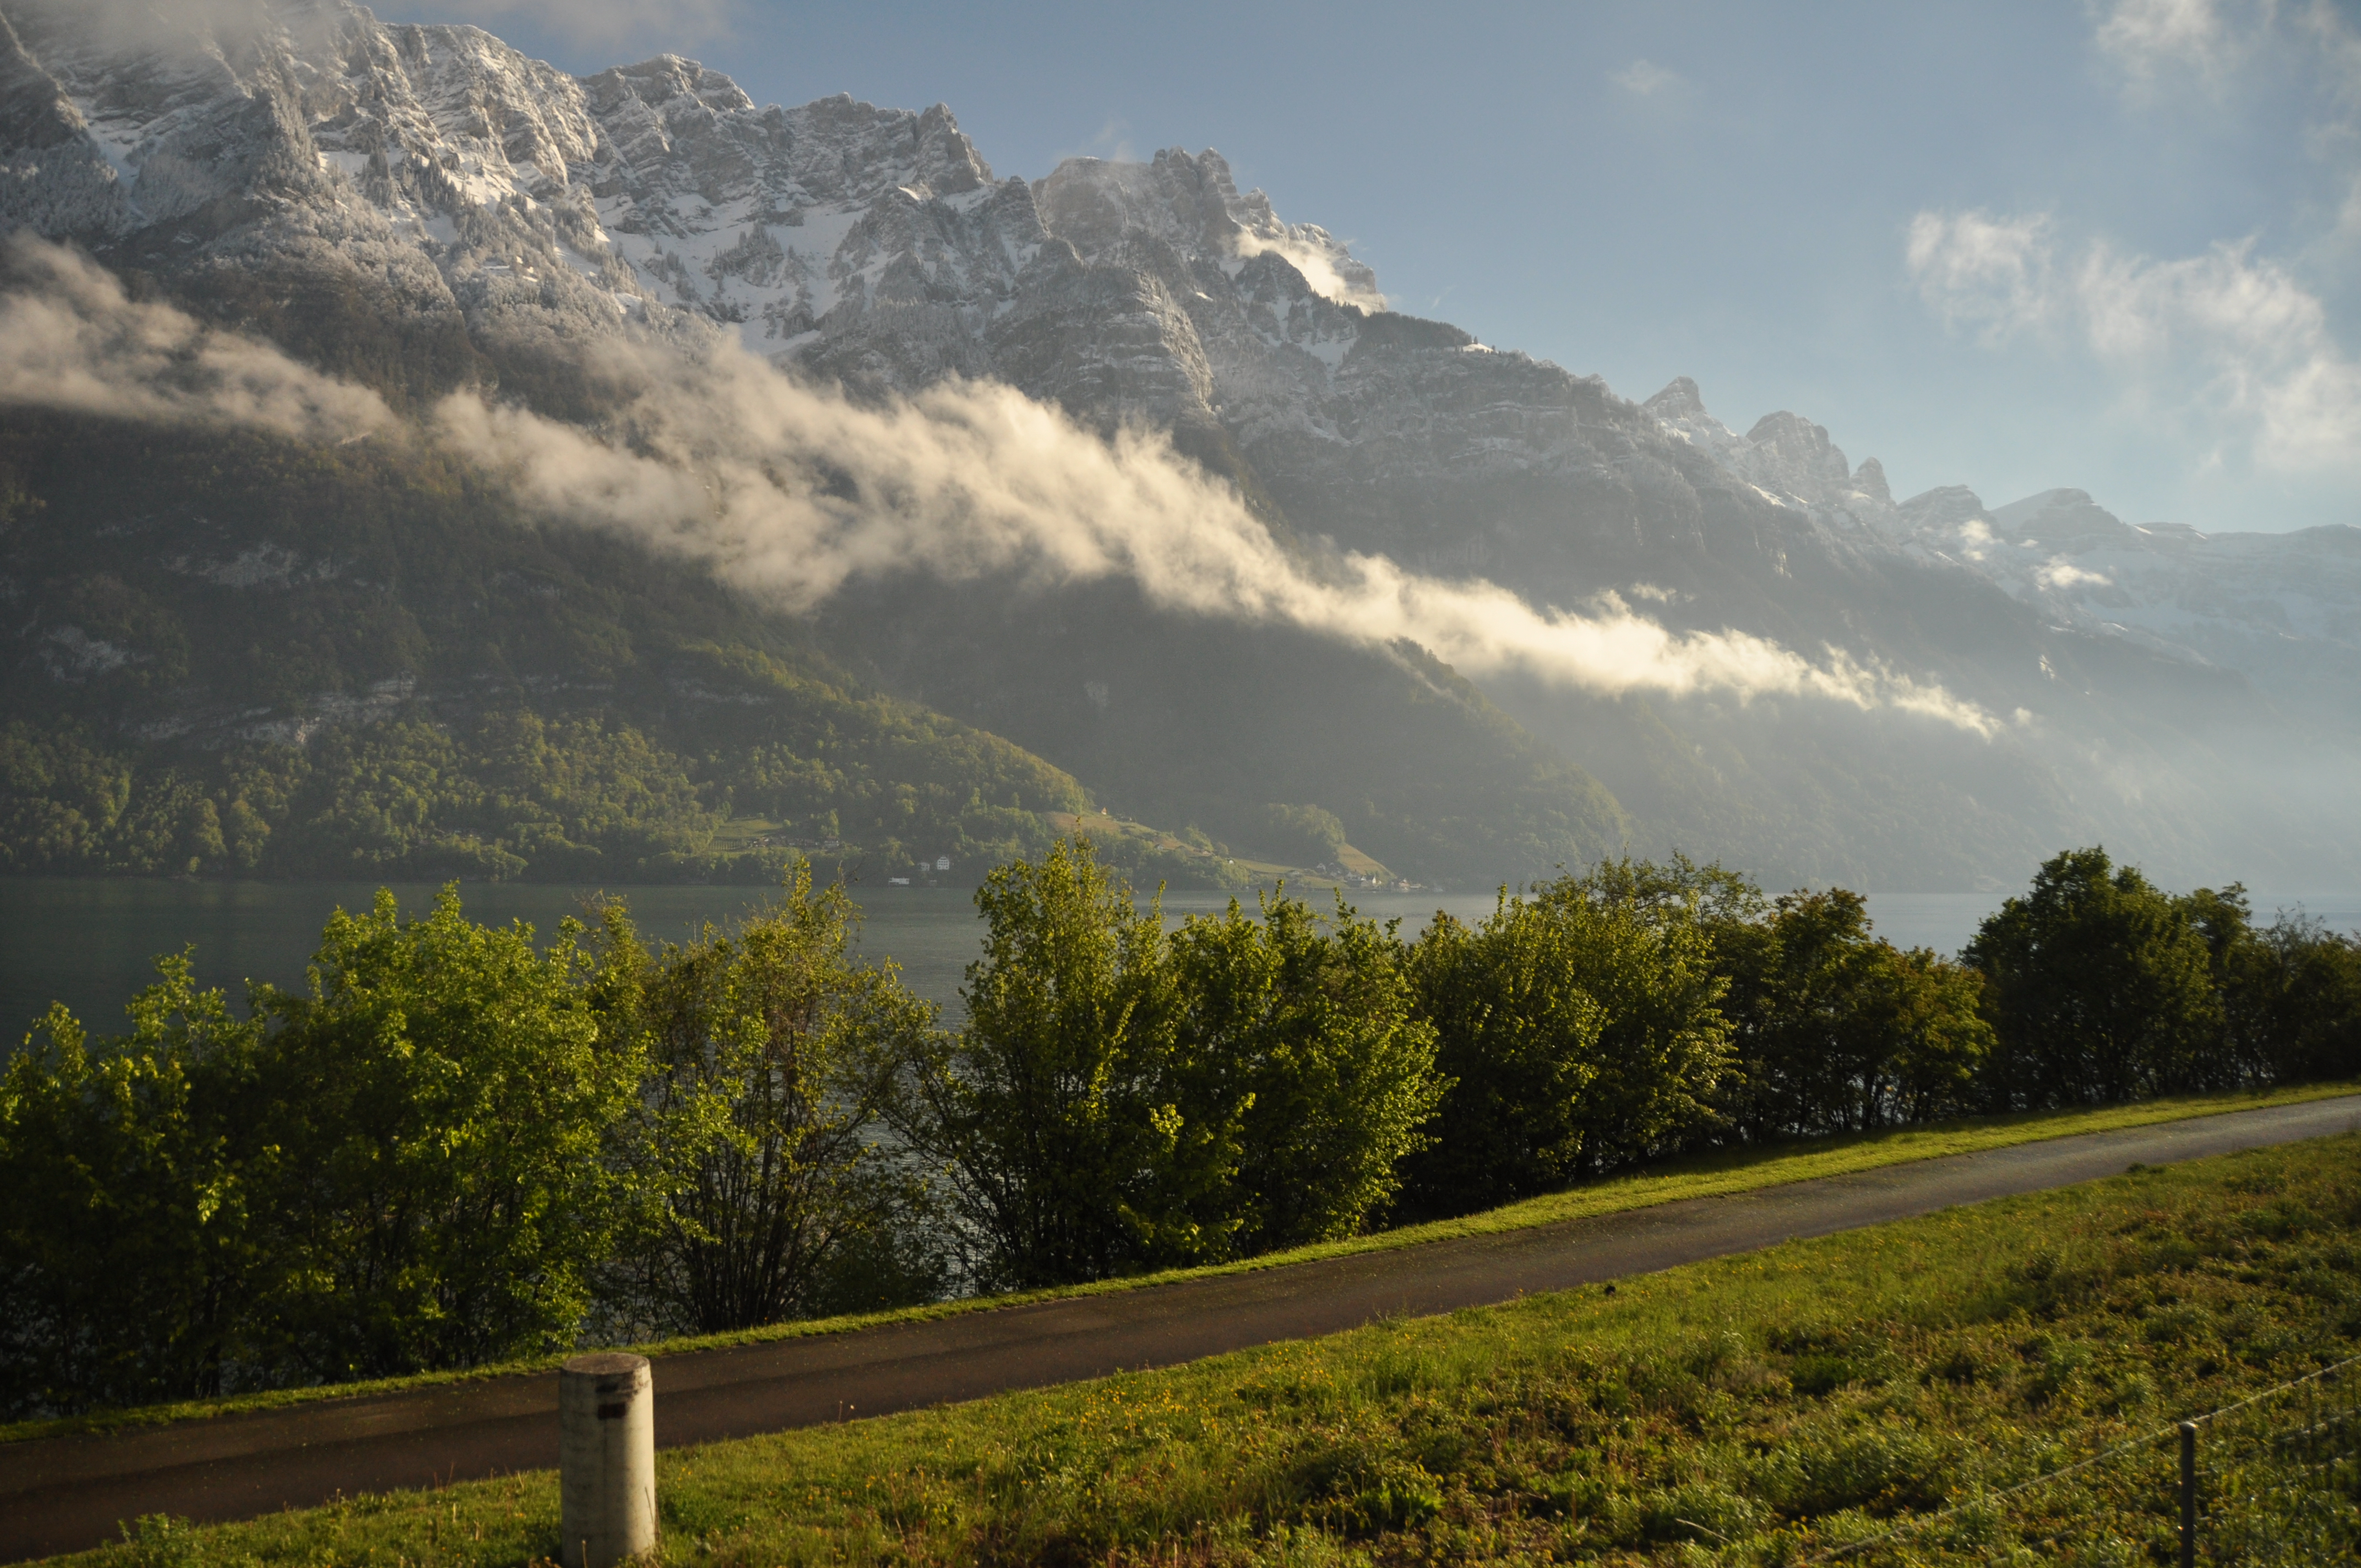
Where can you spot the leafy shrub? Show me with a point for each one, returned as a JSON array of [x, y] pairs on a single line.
[[1121, 1099], [1581, 1029], [772, 1060], [2099, 988], [417, 1165]]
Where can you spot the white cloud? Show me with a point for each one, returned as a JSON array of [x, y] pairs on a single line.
[[1976, 269], [2267, 60], [2059, 573], [793, 491], [2333, 46], [70, 339], [2224, 338], [2150, 39], [728, 466], [1317, 260], [1646, 78]]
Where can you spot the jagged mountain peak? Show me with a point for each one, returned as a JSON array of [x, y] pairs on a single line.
[[1192, 203], [1803, 446], [1870, 481], [1945, 504], [1785, 456], [666, 78], [1098, 205], [1680, 400]]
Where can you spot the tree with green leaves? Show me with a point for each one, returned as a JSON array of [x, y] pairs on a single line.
[[1045, 1114], [774, 1057], [1296, 1046], [421, 1163], [2300, 995], [1838, 1031], [449, 1110], [128, 1244], [2099, 988], [1581, 1028], [2290, 991]]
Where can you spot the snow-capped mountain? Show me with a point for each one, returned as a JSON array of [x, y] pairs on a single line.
[[2283, 609], [1787, 458], [443, 173], [436, 179], [445, 177]]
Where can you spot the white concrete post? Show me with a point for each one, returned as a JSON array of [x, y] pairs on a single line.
[[606, 1460]]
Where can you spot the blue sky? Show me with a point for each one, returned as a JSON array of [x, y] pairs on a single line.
[[2115, 245]]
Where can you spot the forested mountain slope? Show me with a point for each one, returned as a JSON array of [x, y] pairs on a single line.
[[241, 655]]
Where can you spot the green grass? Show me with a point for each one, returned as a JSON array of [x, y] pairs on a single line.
[[1760, 1409], [1738, 1170]]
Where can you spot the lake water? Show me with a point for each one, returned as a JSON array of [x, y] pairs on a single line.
[[87, 942]]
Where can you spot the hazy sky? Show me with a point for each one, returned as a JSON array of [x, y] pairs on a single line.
[[2113, 246]]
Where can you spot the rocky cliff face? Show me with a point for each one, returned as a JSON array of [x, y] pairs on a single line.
[[435, 177]]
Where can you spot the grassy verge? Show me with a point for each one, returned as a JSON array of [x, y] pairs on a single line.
[[1736, 1171], [1760, 1409]]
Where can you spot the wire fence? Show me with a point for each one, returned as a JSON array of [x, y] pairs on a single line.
[[2272, 1479]]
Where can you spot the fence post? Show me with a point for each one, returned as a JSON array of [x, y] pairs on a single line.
[[2189, 1495], [606, 1460]]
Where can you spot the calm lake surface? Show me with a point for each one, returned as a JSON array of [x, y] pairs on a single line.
[[88, 941]]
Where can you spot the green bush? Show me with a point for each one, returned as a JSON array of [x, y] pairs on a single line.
[[774, 1057], [1836, 1031], [1580, 1025], [1299, 1044], [2290, 991], [415, 1165], [1064, 1161], [2099, 988], [447, 1111], [1120, 1099], [128, 1244]]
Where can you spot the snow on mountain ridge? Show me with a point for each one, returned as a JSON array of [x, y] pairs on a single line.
[[443, 165], [2284, 609], [441, 168], [1791, 459]]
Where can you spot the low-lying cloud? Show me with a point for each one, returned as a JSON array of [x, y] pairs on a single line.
[[1318, 265], [71, 339], [794, 491]]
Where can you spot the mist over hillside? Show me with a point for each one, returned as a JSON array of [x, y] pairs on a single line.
[[363, 384]]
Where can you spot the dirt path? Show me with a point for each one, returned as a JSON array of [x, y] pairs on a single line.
[[66, 1494]]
